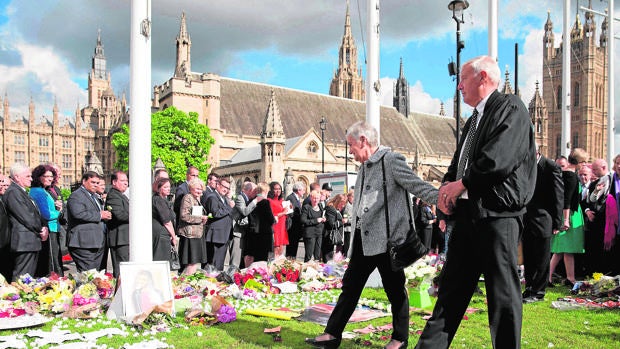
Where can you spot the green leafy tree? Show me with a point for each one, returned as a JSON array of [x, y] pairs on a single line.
[[176, 137]]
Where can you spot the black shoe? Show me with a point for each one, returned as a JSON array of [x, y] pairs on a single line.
[[532, 299], [569, 283], [327, 343], [402, 345]]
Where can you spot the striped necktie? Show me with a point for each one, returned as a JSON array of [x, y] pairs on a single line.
[[471, 134]]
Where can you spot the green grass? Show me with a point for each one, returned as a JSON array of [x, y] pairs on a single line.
[[543, 327]]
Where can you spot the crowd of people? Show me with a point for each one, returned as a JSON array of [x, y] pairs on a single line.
[[200, 222]]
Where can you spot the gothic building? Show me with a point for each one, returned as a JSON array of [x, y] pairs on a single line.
[[78, 143], [347, 81], [588, 94], [264, 132], [401, 92]]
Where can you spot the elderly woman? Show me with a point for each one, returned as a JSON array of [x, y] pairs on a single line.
[[333, 237], [259, 239], [50, 258], [164, 237], [312, 219], [192, 219]]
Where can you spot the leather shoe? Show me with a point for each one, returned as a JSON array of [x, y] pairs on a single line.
[[402, 345], [532, 299], [327, 343]]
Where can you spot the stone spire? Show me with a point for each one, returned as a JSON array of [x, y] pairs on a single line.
[[507, 87], [347, 81], [272, 127], [184, 44], [401, 92]]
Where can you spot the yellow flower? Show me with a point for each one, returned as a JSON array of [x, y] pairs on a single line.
[[597, 276]]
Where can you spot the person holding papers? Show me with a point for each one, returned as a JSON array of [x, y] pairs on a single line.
[[192, 219]]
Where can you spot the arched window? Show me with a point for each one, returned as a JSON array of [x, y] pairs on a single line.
[[538, 126], [559, 98], [312, 147]]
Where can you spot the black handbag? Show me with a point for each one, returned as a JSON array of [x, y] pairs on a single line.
[[335, 237], [404, 254], [175, 263]]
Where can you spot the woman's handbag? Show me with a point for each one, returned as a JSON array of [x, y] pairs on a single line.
[[175, 263], [404, 254], [335, 237]]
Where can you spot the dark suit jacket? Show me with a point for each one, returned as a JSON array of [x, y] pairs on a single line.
[[296, 226], [219, 227], [118, 226], [5, 232], [544, 212], [309, 219], [25, 220], [85, 228], [182, 189], [502, 162]]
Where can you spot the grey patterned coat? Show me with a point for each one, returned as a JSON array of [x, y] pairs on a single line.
[[369, 202]]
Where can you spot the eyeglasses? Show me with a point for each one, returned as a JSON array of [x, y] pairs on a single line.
[[225, 187]]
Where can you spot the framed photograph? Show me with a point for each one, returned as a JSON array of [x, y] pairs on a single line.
[[144, 285]]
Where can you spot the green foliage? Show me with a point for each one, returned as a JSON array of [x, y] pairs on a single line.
[[176, 137], [543, 327]]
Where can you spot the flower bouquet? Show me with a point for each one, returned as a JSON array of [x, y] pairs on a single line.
[[11, 304], [256, 273], [422, 271], [57, 296], [194, 284], [285, 270]]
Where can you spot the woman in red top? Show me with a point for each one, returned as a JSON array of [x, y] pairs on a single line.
[[280, 236]]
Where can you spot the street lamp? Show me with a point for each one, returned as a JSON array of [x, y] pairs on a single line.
[[323, 125], [457, 7]]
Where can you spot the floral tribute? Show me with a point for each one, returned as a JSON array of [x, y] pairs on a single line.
[[423, 270], [284, 269]]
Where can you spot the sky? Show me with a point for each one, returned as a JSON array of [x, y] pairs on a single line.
[[46, 47]]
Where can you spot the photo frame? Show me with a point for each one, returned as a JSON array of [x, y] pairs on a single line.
[[144, 285]]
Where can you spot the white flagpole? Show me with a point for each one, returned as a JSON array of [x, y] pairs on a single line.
[[140, 211]]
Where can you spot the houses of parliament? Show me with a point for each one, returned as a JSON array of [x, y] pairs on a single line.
[[266, 132]]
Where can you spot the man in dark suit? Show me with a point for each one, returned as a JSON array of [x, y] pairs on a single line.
[[313, 186], [245, 203], [219, 226], [86, 225], [296, 230], [6, 262], [118, 226], [28, 228], [182, 189], [486, 188], [544, 216], [594, 219]]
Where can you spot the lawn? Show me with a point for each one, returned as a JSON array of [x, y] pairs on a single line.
[[543, 327]]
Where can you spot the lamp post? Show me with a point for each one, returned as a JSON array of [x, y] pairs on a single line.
[[323, 125], [457, 7]]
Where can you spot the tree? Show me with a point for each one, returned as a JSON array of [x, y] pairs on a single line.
[[177, 138]]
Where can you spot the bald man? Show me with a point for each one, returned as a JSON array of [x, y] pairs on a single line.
[[593, 259]]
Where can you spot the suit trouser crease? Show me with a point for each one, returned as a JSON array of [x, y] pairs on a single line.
[[488, 247], [355, 277]]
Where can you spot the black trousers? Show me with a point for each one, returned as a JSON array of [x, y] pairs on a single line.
[[312, 245], [24, 263], [294, 235], [119, 254], [355, 277], [536, 251], [216, 254], [86, 258], [489, 247]]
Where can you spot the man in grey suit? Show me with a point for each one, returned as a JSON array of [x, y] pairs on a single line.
[[118, 225], [219, 227], [86, 224], [245, 203], [28, 228], [370, 238]]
